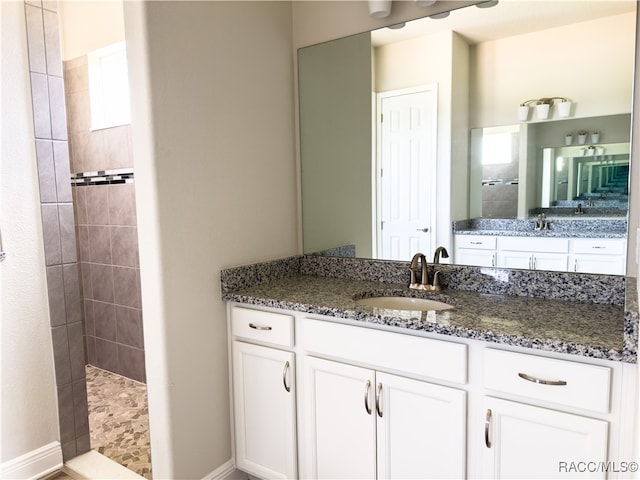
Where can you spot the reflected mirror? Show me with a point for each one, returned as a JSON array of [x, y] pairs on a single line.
[[388, 121]]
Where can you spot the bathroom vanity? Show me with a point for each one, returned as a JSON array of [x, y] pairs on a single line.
[[496, 387]]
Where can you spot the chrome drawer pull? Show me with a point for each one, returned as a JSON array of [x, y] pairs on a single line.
[[367, 387], [260, 327], [284, 376], [541, 381], [378, 407], [487, 427]]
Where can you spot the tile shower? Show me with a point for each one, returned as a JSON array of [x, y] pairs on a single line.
[[104, 195], [91, 255]]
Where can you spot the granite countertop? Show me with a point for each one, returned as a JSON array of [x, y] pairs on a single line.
[[558, 227], [543, 233], [586, 329]]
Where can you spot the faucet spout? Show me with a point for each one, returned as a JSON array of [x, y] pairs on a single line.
[[440, 251]]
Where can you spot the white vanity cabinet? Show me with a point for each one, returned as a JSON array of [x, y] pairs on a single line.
[[522, 440], [475, 250], [582, 255], [598, 255], [344, 400], [367, 423], [533, 253], [263, 385]]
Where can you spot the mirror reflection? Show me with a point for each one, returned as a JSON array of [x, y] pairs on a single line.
[[388, 177]]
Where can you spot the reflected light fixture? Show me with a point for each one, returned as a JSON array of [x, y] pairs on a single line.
[[438, 16], [379, 8], [425, 3], [543, 107], [397, 26], [488, 4]]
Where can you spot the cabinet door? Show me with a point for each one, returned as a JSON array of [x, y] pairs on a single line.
[[477, 258], [340, 428], [603, 264], [421, 429], [556, 262], [523, 441], [265, 416], [521, 260]]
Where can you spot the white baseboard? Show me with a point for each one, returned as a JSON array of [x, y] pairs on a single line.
[[226, 471], [34, 464]]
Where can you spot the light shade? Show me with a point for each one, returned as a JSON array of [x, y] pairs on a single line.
[[425, 3], [564, 109], [379, 8], [523, 113], [542, 111]]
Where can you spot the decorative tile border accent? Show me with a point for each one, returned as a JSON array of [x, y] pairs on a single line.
[[102, 177]]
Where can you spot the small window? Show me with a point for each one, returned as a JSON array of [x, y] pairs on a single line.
[[109, 87]]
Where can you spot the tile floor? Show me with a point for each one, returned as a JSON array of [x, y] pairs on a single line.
[[119, 420]]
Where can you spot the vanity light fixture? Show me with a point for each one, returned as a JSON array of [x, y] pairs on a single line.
[[425, 3], [379, 8], [543, 107]]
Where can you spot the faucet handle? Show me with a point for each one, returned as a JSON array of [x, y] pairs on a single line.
[[436, 280]]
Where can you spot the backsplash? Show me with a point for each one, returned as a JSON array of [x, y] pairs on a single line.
[[603, 289]]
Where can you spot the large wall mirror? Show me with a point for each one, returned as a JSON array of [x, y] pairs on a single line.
[[393, 124]]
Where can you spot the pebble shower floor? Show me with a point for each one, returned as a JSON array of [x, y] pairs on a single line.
[[119, 419]]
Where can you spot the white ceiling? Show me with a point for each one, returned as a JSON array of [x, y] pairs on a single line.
[[508, 18]]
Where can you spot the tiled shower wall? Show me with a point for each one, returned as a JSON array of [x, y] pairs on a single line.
[[107, 234], [65, 304]]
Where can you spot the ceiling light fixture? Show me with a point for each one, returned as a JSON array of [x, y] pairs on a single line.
[[543, 107], [425, 3]]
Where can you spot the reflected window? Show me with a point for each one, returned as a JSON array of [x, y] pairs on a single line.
[[496, 149]]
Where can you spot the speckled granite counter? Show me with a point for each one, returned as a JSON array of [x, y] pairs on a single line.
[[565, 227], [606, 329]]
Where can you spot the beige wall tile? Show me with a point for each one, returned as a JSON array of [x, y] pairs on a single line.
[[63, 172], [99, 244], [124, 246], [79, 113], [97, 201], [46, 171], [51, 233], [67, 233], [102, 282], [58, 108], [117, 147], [127, 286], [122, 206], [55, 287]]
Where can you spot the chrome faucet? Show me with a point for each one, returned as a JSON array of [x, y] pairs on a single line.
[[440, 251], [424, 274], [579, 210], [542, 223]]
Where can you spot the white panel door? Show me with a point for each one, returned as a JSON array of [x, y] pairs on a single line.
[[421, 429], [340, 433], [406, 173], [265, 414], [523, 441]]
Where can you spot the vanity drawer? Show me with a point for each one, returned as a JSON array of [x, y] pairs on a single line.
[[395, 352], [275, 328], [603, 246], [559, 381], [483, 242], [534, 244]]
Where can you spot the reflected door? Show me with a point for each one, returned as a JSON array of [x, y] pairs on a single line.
[[406, 172]]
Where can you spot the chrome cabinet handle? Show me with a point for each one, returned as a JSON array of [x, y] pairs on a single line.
[[493, 260], [367, 387], [260, 327], [534, 263], [475, 243], [487, 427], [575, 265], [378, 406], [287, 387], [425, 230], [530, 263], [542, 381]]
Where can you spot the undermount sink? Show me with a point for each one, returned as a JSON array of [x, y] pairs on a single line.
[[404, 303]]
